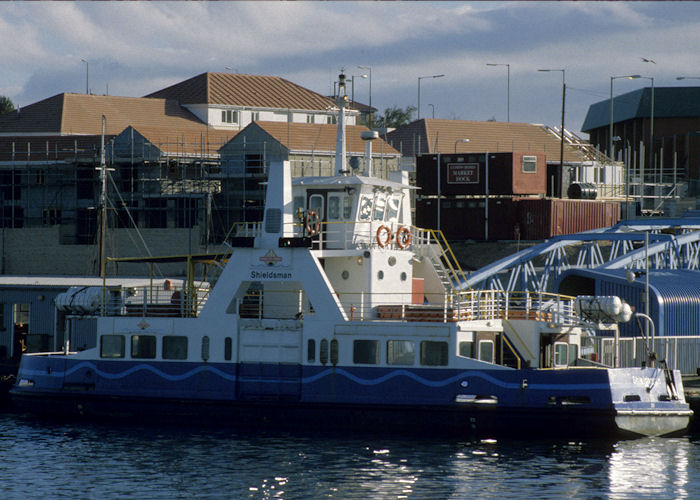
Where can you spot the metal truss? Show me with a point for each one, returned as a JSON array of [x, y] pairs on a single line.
[[674, 243]]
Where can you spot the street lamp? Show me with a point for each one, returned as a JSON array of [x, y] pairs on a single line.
[[629, 77], [433, 108], [688, 78], [563, 108], [651, 124], [458, 141], [508, 88], [631, 276], [87, 76], [352, 82], [422, 78], [369, 69]]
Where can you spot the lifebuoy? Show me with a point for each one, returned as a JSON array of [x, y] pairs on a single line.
[[312, 223], [403, 237], [384, 241]]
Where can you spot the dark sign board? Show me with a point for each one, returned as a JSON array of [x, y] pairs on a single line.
[[462, 173]]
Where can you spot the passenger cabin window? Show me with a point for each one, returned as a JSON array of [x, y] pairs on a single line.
[[486, 350], [174, 347], [573, 354], [529, 164], [323, 352], [433, 353], [365, 352], [228, 348], [334, 351], [347, 208], [311, 351], [143, 346], [205, 348], [466, 349], [561, 354], [112, 346], [400, 352], [333, 208], [365, 208]]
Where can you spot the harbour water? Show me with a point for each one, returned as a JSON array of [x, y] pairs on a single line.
[[49, 459]]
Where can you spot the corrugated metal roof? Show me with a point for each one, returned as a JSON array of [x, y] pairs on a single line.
[[669, 102], [256, 91], [427, 136], [317, 137], [674, 297]]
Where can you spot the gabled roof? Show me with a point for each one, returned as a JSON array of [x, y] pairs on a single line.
[[76, 114], [255, 91], [180, 142], [669, 102], [427, 136], [320, 138]]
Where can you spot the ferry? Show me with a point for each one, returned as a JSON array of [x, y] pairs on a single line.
[[337, 313]]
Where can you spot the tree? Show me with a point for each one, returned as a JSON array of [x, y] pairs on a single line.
[[6, 105], [394, 117]]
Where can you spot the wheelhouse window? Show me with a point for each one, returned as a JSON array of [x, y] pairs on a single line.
[[365, 352], [530, 164], [400, 352], [392, 208], [365, 208], [174, 347], [433, 353], [347, 207], [379, 205], [112, 346], [333, 208], [143, 346]]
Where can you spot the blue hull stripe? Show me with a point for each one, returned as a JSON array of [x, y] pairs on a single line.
[[319, 376]]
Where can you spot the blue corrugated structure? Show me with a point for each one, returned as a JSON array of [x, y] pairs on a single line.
[[674, 296]]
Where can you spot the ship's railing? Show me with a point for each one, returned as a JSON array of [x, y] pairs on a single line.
[[154, 301], [465, 305]]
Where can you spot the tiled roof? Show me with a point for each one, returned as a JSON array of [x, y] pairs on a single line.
[[74, 114], [427, 136], [316, 137], [255, 91], [186, 141]]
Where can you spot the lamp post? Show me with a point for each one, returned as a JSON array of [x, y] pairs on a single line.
[[352, 88], [369, 70], [508, 86], [631, 276], [651, 123], [612, 78], [87, 76], [433, 108], [563, 108], [422, 78], [458, 141], [688, 78]]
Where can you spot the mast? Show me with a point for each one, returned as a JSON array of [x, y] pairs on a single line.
[[342, 100], [103, 201]]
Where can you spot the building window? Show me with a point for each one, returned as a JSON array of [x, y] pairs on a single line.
[[309, 118], [185, 212], [143, 346], [155, 211], [365, 352], [50, 216], [112, 346], [529, 164], [174, 347], [400, 352], [255, 116], [433, 353], [229, 116]]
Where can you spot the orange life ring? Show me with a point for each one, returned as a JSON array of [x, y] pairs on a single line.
[[382, 242], [312, 223], [403, 237]]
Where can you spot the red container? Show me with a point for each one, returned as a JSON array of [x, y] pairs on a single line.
[[540, 219]]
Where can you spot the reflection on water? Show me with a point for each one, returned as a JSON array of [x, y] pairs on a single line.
[[59, 460]]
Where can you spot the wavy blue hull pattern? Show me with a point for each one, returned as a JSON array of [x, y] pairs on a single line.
[[367, 398]]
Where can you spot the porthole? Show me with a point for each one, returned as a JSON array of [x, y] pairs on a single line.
[[392, 260], [345, 275], [403, 276], [380, 275]]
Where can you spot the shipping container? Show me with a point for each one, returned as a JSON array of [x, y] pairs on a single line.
[[540, 219], [465, 218], [512, 173]]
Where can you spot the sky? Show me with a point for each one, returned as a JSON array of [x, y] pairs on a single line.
[[135, 48]]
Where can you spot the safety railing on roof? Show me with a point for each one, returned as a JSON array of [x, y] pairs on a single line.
[[155, 301]]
